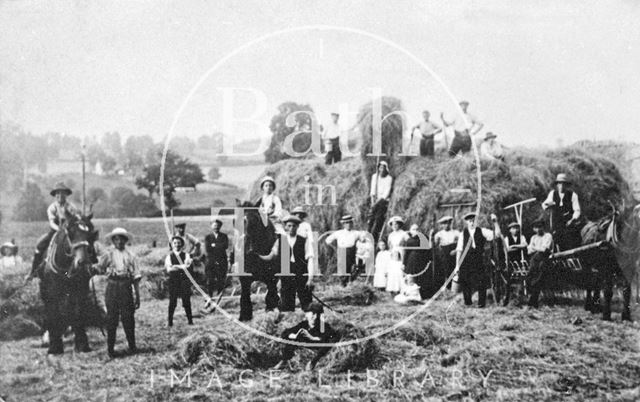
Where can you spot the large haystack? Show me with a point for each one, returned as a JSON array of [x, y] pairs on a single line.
[[426, 183]]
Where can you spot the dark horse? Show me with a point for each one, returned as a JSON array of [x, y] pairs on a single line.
[[612, 263], [259, 237], [65, 283]]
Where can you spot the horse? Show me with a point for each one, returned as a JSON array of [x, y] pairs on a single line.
[[64, 286], [613, 262], [259, 238]]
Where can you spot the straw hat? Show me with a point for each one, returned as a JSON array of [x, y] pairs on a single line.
[[396, 219], [346, 218], [445, 219], [7, 245], [489, 136], [562, 178], [291, 218], [60, 187], [514, 225], [119, 232], [266, 179], [299, 211]]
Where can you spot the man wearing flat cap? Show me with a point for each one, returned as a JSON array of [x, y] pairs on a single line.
[[472, 275], [301, 265], [191, 243], [565, 213], [58, 212], [516, 244], [216, 245]]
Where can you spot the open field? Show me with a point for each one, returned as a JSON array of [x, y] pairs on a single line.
[[446, 352]]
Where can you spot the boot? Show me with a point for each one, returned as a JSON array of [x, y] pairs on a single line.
[[626, 315]]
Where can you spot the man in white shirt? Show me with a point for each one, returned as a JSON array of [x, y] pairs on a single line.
[[300, 266], [428, 130], [463, 130], [346, 238], [445, 241], [540, 247], [331, 137], [490, 148], [471, 271], [565, 212], [381, 183]]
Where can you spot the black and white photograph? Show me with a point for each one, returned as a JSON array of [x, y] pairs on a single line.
[[413, 200]]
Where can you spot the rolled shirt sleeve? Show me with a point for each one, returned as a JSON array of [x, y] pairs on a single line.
[[548, 201], [575, 203]]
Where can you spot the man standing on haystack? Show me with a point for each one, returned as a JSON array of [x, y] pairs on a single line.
[[60, 211], [565, 213], [428, 130], [464, 130], [471, 271], [381, 183], [331, 137]]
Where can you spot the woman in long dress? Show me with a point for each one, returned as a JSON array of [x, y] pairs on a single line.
[[398, 237]]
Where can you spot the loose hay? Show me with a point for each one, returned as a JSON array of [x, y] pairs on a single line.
[[18, 327], [210, 350], [355, 357], [354, 294]]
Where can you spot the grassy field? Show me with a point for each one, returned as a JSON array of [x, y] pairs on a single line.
[[446, 352]]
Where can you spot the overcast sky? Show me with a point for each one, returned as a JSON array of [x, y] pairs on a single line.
[[534, 71]]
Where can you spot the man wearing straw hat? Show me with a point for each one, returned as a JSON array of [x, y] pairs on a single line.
[[121, 268], [471, 271], [346, 238], [58, 212], [565, 212], [216, 245], [304, 228], [381, 183], [490, 148], [301, 265]]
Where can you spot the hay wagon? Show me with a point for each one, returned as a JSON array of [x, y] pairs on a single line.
[[505, 275]]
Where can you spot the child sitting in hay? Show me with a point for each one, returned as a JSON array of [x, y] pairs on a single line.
[[395, 272], [312, 330], [410, 293], [383, 258]]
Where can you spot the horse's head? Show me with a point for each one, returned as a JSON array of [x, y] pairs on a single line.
[[258, 228], [81, 229]]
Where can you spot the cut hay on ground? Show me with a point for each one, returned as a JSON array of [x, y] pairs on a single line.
[[18, 327], [354, 294], [355, 357], [210, 349]]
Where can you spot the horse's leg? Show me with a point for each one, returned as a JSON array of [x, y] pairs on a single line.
[[80, 306], [54, 320], [607, 287], [246, 308], [272, 299], [626, 293]]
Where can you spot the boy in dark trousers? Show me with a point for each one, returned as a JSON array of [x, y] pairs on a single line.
[[312, 330], [121, 268], [179, 284]]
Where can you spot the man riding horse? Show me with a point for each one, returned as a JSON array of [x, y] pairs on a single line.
[[60, 211]]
